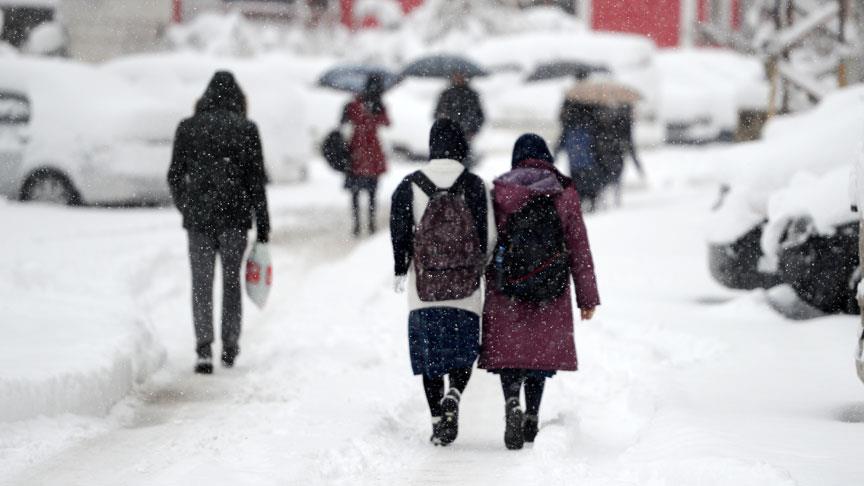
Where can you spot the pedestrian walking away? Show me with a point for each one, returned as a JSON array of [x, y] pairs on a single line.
[[579, 140], [527, 316], [460, 103], [442, 229], [217, 181], [365, 114]]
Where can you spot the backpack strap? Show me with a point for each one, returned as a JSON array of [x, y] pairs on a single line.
[[459, 185], [425, 184], [429, 187]]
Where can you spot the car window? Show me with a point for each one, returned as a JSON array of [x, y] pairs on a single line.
[[14, 108]]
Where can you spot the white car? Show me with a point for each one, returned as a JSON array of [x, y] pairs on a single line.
[[513, 103], [702, 92], [70, 134], [275, 86]]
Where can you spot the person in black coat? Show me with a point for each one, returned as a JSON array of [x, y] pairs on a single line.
[[461, 104], [217, 180]]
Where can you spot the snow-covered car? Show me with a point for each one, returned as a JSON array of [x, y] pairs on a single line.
[[83, 136], [704, 90], [812, 144], [278, 88], [511, 102], [811, 240]]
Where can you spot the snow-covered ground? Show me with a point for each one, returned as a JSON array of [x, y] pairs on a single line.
[[682, 382]]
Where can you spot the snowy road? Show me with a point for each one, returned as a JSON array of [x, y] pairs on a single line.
[[682, 382]]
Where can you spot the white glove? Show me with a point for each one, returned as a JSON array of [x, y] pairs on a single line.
[[399, 283]]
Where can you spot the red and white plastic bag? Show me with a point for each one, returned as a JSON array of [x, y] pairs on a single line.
[[259, 274]]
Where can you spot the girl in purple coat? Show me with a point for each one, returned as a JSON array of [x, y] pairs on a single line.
[[525, 342]]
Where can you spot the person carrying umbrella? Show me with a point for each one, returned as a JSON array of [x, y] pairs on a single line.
[[579, 134], [461, 104], [365, 113]]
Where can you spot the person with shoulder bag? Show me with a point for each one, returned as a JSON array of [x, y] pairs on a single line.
[[528, 316], [441, 231], [217, 180]]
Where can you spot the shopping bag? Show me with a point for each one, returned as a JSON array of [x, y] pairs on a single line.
[[259, 274]]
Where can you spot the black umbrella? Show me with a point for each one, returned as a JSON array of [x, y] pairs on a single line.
[[443, 66], [563, 69], [352, 78]]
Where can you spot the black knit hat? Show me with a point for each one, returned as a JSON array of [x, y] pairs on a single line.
[[446, 141]]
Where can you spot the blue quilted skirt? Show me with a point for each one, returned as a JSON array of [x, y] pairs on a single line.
[[441, 339]]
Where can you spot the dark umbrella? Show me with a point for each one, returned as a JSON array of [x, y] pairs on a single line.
[[353, 78], [564, 69], [443, 66]]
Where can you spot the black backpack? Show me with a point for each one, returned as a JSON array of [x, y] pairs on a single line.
[[336, 152], [531, 261]]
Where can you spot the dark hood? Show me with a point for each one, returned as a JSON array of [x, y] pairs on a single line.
[[515, 188], [531, 147], [223, 93], [446, 141]]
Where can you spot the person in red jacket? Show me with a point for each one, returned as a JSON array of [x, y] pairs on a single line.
[[524, 341], [365, 113]]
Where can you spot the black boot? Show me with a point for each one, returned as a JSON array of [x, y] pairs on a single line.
[[229, 354], [513, 437], [436, 431], [204, 365], [530, 427], [450, 420]]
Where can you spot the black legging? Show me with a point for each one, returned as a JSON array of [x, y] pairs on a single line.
[[512, 381], [434, 387], [355, 208]]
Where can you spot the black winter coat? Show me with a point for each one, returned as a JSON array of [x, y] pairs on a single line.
[[461, 104], [217, 174]]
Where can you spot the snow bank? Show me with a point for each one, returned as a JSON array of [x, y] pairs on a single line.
[[75, 340], [70, 354], [817, 141]]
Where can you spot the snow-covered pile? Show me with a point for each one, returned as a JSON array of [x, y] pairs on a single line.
[[817, 142], [75, 339], [219, 34]]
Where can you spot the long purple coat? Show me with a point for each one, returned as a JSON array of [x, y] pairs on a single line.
[[519, 334]]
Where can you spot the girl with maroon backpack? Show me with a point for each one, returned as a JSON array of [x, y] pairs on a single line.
[[528, 315], [441, 228]]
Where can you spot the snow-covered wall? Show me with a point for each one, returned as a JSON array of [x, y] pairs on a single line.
[[101, 29]]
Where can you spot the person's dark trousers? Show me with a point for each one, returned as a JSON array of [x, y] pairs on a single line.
[[355, 209], [230, 245], [434, 388], [512, 381]]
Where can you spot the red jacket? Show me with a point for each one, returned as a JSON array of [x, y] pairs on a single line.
[[367, 157], [519, 334]]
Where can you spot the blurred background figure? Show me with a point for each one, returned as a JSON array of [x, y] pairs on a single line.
[[578, 140], [614, 145], [217, 180], [460, 103], [365, 114]]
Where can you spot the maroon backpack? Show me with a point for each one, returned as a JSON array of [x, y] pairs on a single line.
[[447, 254]]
